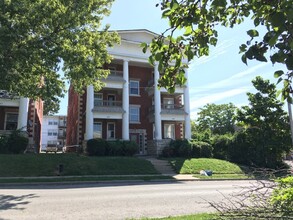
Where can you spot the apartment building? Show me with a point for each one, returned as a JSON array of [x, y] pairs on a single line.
[[54, 131], [130, 106], [23, 114]]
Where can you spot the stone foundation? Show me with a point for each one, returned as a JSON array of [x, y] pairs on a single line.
[[155, 147]]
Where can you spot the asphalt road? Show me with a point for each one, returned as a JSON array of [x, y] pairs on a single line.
[[112, 201]]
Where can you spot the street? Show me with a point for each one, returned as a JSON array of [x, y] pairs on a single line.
[[112, 201]]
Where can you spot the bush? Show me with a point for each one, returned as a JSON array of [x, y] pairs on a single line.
[[129, 148], [201, 149], [114, 148], [16, 142], [181, 148], [282, 196], [3, 145], [221, 145], [96, 147], [167, 152]]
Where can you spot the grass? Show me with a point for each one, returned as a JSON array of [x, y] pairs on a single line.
[[221, 169], [202, 216], [29, 165]]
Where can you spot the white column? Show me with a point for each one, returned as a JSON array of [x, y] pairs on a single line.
[[22, 114], [89, 130], [187, 108], [157, 98], [125, 102]]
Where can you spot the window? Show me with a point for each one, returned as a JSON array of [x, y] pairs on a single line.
[[52, 122], [55, 122], [111, 100], [97, 129], [11, 121], [134, 87], [52, 132], [169, 131], [168, 103], [111, 130], [98, 99], [134, 114]]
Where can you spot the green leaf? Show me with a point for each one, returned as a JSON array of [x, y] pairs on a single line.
[[188, 30], [253, 33], [289, 63], [144, 47], [278, 73], [244, 59]]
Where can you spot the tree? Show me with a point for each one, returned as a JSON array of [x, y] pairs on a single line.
[[267, 134], [218, 118], [39, 37], [193, 30]]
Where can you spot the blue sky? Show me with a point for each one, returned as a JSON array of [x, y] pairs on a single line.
[[219, 78]]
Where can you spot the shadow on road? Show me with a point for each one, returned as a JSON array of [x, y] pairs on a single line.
[[14, 202], [72, 185]]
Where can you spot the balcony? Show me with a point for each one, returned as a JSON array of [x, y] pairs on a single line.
[[108, 106], [169, 112], [61, 134], [108, 109], [114, 80]]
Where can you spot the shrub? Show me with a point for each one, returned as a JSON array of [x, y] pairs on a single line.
[[167, 152], [201, 149], [282, 196], [91, 147], [221, 145], [16, 142], [96, 147], [206, 150], [3, 145], [114, 148], [129, 148], [180, 147]]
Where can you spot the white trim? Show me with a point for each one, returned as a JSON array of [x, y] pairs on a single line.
[[138, 85], [134, 107], [5, 119]]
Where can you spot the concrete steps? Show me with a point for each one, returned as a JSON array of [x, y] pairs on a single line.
[[162, 166]]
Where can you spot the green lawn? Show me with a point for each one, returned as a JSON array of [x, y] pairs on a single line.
[[220, 168], [74, 164]]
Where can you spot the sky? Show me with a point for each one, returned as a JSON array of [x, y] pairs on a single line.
[[219, 78]]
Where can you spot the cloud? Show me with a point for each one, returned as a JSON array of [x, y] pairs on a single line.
[[196, 103], [237, 79], [215, 52]]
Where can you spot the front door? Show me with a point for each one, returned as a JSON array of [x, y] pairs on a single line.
[[138, 138]]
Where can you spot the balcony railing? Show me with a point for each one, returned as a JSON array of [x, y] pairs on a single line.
[[168, 107], [62, 134], [107, 103], [116, 73], [6, 95]]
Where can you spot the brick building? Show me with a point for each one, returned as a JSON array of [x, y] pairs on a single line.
[[23, 114], [130, 106]]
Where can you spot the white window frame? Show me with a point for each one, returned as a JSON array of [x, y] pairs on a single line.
[[135, 107], [109, 134], [169, 133], [168, 103], [5, 122], [96, 134], [137, 87]]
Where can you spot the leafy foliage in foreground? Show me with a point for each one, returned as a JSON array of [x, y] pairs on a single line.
[[39, 37], [263, 200], [193, 29]]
